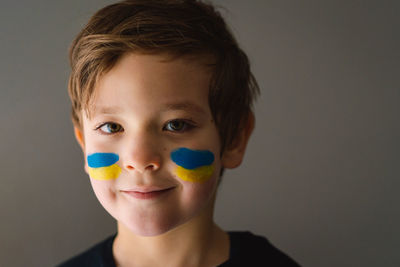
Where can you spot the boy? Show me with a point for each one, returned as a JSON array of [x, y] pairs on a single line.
[[161, 104]]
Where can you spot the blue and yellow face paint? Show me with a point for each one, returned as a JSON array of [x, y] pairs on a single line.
[[193, 165], [102, 166]]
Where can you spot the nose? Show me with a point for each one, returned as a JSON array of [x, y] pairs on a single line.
[[141, 153]]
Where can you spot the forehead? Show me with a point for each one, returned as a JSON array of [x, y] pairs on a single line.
[[137, 79]]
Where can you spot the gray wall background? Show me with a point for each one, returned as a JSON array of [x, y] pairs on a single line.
[[321, 175]]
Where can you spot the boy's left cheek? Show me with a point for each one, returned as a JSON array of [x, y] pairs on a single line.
[[194, 166]]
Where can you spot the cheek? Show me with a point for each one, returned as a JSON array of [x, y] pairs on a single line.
[[101, 166], [197, 195], [200, 174], [194, 166], [105, 193], [105, 173]]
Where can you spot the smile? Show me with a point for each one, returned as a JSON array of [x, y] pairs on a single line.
[[147, 193]]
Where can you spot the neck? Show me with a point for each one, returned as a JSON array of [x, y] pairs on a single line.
[[199, 242]]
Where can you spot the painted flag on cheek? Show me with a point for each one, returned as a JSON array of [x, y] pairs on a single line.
[[193, 165], [102, 166]]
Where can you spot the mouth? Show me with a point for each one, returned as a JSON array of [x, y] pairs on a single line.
[[147, 193]]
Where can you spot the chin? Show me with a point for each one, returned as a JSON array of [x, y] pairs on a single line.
[[151, 226]]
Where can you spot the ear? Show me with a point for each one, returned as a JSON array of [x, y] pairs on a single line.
[[233, 155], [81, 141], [79, 138]]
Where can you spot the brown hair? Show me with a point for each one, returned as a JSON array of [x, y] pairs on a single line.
[[173, 27]]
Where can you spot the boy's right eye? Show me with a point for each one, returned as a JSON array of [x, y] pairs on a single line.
[[110, 128]]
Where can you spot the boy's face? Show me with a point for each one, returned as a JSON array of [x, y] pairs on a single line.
[[152, 148]]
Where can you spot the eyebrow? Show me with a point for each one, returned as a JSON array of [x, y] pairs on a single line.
[[185, 106], [106, 110]]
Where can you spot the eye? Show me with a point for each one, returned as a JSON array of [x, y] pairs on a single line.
[[110, 127], [178, 126]]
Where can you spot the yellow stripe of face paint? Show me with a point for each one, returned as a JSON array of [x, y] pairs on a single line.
[[200, 174], [105, 173]]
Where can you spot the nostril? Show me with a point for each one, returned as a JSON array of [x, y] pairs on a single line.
[[151, 167]]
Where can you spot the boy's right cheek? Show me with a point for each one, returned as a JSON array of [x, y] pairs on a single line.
[[103, 166]]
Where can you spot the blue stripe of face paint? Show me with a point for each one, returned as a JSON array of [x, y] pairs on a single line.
[[191, 159], [98, 160]]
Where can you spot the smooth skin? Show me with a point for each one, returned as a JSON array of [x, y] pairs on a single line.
[[145, 107]]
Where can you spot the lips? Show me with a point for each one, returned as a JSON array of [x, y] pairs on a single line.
[[147, 193]]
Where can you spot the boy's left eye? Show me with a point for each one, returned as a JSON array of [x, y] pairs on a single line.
[[177, 126]]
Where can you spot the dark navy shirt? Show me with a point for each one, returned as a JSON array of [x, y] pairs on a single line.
[[246, 249]]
